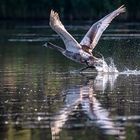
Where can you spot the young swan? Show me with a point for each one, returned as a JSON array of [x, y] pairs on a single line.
[[82, 52]]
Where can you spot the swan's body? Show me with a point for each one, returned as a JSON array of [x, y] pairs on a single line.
[[82, 52]]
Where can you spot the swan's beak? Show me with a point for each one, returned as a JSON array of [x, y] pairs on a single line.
[[45, 45]]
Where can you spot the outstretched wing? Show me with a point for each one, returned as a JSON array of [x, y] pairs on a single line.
[[55, 23], [93, 35]]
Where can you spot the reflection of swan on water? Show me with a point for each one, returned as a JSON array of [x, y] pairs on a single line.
[[101, 81], [95, 112], [97, 115], [82, 52], [72, 100]]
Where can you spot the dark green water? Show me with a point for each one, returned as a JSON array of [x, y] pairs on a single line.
[[42, 98]]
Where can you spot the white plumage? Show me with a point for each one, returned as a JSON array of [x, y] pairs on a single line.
[[82, 52]]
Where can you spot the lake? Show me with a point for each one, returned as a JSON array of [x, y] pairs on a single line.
[[42, 97]]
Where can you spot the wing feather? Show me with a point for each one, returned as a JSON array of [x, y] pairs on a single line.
[[55, 23], [92, 37]]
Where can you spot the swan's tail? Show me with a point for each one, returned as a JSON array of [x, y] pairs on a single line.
[[52, 46]]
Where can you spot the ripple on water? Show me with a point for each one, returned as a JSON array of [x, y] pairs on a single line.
[[108, 103]]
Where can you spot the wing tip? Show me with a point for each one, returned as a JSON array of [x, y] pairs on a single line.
[[53, 14], [122, 8], [54, 17]]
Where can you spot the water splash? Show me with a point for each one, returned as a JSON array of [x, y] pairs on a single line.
[[130, 72], [111, 67], [102, 66], [107, 66]]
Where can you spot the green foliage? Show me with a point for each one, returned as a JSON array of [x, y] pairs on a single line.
[[70, 9]]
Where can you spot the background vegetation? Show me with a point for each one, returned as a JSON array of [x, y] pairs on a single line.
[[69, 9]]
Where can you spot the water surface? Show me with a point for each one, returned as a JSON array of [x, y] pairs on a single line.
[[42, 97]]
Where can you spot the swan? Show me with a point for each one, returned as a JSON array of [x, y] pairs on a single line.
[[82, 52]]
